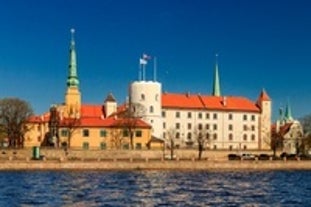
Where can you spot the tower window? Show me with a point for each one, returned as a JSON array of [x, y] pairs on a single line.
[[151, 109], [142, 97], [163, 114]]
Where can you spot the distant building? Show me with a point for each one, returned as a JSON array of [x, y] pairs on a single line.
[[290, 129], [77, 125], [227, 122]]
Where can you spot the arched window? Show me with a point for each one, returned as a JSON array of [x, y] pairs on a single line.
[[156, 97], [189, 135], [151, 109], [245, 137], [207, 136], [142, 97], [230, 137]]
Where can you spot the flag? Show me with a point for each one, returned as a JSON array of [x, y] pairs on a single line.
[[146, 57], [142, 61]]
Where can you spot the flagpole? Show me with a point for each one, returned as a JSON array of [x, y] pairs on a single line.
[[144, 72], [154, 68]]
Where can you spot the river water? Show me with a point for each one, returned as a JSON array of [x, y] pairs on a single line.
[[155, 188]]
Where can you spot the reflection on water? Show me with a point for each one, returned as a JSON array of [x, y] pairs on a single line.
[[155, 188]]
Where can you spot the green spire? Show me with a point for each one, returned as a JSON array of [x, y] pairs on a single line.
[[72, 79], [216, 84], [288, 113]]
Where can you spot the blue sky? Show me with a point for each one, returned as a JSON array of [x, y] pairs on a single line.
[[261, 44]]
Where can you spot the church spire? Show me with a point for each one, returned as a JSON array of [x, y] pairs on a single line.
[[72, 80], [216, 84], [288, 113]]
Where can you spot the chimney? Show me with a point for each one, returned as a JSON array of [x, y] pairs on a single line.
[[224, 101]]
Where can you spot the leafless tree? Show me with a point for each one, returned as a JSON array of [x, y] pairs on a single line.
[[70, 122], [14, 114], [117, 138], [131, 116], [171, 134], [202, 137], [276, 141]]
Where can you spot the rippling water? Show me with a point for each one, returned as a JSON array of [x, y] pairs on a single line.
[[155, 188]]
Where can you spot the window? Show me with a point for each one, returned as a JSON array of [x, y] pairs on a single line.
[[177, 136], [230, 147], [230, 127], [142, 96], [207, 126], [156, 97], [163, 114], [125, 133], [245, 147], [245, 137], [138, 133], [103, 146], [230, 137], [245, 117], [151, 109], [253, 137], [207, 136], [138, 146], [126, 146], [39, 138], [177, 115], [189, 115], [85, 132], [253, 128], [189, 126], [164, 125], [177, 126], [215, 136], [245, 127], [103, 133], [230, 116], [215, 147], [200, 126], [199, 115], [215, 116], [207, 116], [39, 128], [189, 136], [253, 118], [215, 126], [64, 133], [85, 145], [164, 135]]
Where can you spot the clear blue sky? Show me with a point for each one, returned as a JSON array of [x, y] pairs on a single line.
[[261, 44]]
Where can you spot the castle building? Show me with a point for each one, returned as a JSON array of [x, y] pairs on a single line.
[[88, 126], [226, 122]]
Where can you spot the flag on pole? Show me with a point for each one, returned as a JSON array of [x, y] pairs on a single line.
[[142, 61], [146, 57]]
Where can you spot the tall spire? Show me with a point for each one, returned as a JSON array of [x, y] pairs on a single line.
[[72, 80], [288, 113], [216, 84]]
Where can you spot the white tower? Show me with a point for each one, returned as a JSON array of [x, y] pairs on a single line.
[[148, 95]]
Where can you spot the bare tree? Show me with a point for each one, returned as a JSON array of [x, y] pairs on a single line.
[[14, 114], [171, 134], [116, 135], [70, 122], [276, 141], [131, 116], [202, 137]]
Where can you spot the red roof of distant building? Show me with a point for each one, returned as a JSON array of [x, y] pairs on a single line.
[[186, 101]]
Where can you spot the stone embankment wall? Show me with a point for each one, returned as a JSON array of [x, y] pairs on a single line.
[[137, 160]]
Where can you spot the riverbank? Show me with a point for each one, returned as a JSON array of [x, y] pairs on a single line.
[[154, 165]]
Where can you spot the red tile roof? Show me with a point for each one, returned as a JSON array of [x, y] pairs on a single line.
[[91, 116], [228, 103]]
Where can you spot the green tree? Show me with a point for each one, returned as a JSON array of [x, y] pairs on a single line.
[[14, 114]]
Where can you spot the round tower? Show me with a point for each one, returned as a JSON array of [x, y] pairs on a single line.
[[147, 94]]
